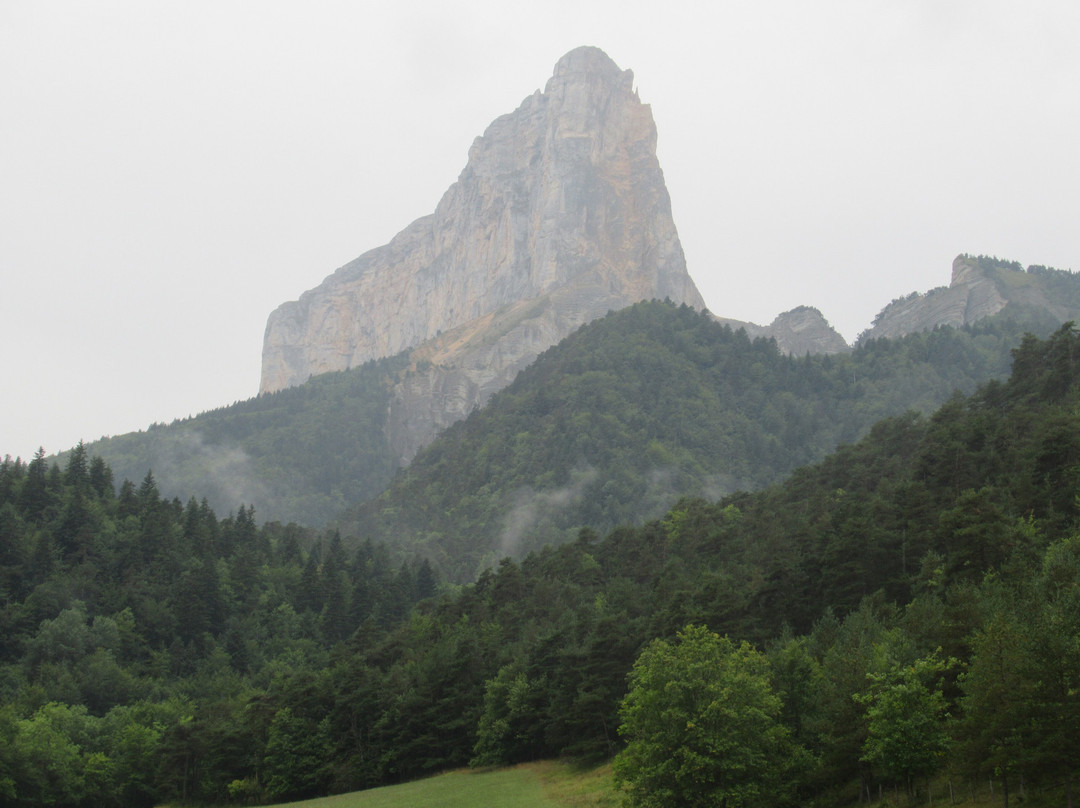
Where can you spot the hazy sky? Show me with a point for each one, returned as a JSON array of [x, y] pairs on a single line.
[[170, 172]]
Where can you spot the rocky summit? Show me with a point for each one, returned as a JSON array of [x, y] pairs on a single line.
[[800, 331], [560, 215]]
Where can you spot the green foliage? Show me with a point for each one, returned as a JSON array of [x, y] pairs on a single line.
[[303, 453], [702, 728], [1021, 699], [507, 730], [152, 652], [142, 651], [997, 701], [295, 757], [1056, 641], [905, 711]]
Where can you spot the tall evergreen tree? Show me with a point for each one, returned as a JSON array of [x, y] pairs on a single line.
[[35, 489]]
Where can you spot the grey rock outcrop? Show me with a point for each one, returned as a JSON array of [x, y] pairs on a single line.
[[980, 287], [560, 215], [458, 371], [805, 330], [800, 331]]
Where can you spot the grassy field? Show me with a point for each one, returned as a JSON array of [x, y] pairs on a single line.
[[530, 785], [551, 783]]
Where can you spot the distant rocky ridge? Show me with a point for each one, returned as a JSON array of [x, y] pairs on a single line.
[[980, 287], [800, 331]]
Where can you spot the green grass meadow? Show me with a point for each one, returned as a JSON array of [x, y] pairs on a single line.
[[531, 785], [556, 783]]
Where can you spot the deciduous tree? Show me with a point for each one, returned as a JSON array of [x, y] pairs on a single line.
[[702, 725]]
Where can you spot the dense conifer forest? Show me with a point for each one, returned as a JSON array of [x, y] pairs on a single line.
[[652, 403], [906, 610]]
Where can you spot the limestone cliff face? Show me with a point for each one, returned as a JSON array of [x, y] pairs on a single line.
[[560, 215], [979, 288]]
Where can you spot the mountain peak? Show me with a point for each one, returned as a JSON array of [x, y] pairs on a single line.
[[588, 61], [560, 215]]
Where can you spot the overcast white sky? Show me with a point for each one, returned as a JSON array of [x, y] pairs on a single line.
[[170, 172]]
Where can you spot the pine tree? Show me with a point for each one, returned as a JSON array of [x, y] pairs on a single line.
[[77, 471], [101, 478], [35, 496]]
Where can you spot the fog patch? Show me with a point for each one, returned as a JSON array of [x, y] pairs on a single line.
[[662, 478], [532, 508], [224, 474], [666, 485], [662, 490], [717, 486]]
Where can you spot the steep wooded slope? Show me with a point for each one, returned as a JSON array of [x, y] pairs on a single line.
[[299, 455], [646, 405]]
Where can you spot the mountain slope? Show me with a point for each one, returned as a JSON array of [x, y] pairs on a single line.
[[307, 453], [140, 636], [644, 406], [299, 455]]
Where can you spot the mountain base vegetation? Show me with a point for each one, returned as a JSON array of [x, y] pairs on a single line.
[[904, 616]]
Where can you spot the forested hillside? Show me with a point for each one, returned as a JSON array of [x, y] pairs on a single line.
[[686, 408], [911, 606], [654, 402], [302, 454]]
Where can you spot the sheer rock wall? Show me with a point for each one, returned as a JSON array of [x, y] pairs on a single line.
[[565, 195], [560, 215]]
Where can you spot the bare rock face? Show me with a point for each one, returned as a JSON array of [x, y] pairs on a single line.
[[560, 215], [980, 287], [458, 371], [805, 330], [800, 331]]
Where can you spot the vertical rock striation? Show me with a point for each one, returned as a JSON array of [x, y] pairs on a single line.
[[560, 215]]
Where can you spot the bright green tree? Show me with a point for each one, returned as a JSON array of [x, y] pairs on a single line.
[[51, 765], [905, 709], [702, 727]]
